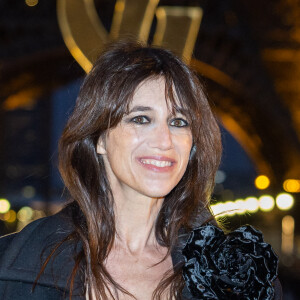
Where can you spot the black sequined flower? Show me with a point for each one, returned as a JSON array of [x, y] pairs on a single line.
[[239, 265]]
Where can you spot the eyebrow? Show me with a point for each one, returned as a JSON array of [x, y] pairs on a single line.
[[140, 108], [148, 108]]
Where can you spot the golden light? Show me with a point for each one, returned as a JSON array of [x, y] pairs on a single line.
[[288, 225], [25, 214], [120, 5], [287, 238], [4, 206], [266, 203], [251, 204], [262, 182], [24, 99], [31, 2], [240, 205], [10, 216], [284, 201], [292, 185]]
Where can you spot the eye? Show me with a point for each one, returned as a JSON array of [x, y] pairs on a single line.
[[179, 123], [140, 120]]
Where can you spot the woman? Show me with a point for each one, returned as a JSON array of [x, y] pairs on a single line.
[[138, 156]]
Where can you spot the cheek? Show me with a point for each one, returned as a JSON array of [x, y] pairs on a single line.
[[121, 147], [185, 144]]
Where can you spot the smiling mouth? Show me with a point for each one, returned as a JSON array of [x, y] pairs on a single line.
[[156, 163]]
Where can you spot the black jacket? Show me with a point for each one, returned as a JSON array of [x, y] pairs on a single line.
[[22, 255]]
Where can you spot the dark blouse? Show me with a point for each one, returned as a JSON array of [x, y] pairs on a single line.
[[22, 255]]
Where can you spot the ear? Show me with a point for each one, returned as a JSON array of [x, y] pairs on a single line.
[[101, 149]]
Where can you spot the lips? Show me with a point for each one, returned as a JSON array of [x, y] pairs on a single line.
[[157, 163]]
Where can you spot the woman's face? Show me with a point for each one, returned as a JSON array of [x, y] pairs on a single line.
[[148, 151]]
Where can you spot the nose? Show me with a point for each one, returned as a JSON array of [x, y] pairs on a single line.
[[161, 138]]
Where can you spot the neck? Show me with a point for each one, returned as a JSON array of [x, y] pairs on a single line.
[[135, 222]]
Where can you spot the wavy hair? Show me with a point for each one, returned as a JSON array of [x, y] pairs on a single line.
[[103, 100]]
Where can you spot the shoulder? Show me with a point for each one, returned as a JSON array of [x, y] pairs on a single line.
[[34, 237], [36, 229], [22, 254]]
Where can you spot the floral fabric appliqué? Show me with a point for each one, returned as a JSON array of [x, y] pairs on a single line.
[[238, 265]]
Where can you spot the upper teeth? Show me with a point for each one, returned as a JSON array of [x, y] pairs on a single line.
[[156, 163]]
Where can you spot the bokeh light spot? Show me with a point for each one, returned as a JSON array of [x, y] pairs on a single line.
[[266, 203], [28, 191], [262, 182], [284, 201], [240, 205], [230, 208], [10, 216], [251, 204], [220, 176], [292, 185], [4, 206], [25, 214]]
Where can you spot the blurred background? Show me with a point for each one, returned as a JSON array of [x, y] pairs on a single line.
[[248, 56]]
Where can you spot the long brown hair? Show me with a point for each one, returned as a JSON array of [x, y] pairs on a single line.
[[103, 100]]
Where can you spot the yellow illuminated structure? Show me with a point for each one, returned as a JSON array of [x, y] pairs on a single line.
[[4, 206], [186, 21], [123, 23], [262, 182], [85, 35], [292, 185], [284, 201]]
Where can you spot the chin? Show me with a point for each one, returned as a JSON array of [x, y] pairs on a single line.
[[159, 193], [160, 189]]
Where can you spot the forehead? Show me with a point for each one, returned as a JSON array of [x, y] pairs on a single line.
[[154, 92]]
